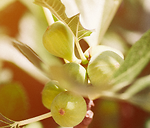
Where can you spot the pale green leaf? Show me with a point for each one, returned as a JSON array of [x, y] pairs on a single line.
[[96, 15], [136, 87], [101, 18], [68, 83], [73, 23], [142, 100], [137, 93], [136, 60], [109, 10], [32, 57]]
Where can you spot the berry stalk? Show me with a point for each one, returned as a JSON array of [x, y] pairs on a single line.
[[34, 119], [83, 58]]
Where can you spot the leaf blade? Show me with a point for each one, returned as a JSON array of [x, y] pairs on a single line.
[[31, 55], [137, 58], [58, 9], [137, 86], [96, 15]]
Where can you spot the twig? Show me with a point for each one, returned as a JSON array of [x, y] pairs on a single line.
[[34, 119]]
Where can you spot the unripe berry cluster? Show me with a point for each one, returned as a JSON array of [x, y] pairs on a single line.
[[69, 109]]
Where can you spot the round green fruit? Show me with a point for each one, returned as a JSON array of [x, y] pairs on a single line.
[[50, 91], [76, 72], [102, 66], [68, 109], [58, 40]]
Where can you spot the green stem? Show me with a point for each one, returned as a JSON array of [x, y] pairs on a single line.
[[34, 119], [83, 58]]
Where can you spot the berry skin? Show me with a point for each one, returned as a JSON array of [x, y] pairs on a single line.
[[58, 40], [50, 91], [102, 65], [76, 72], [68, 109]]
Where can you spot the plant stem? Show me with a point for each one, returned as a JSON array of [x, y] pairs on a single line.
[[34, 119], [83, 58]]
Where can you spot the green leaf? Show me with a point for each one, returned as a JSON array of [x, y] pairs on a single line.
[[137, 86], [32, 56], [136, 60], [109, 10], [73, 23], [13, 102], [137, 93], [95, 15], [141, 100], [60, 74]]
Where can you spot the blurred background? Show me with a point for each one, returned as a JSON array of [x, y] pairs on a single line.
[[21, 82]]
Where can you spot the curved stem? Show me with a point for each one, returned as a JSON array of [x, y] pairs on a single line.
[[83, 58], [34, 119]]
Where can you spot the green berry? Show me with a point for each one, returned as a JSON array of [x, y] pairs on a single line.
[[76, 72], [68, 109], [102, 65], [50, 91], [58, 40]]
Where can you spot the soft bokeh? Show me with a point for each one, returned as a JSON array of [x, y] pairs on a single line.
[[26, 22]]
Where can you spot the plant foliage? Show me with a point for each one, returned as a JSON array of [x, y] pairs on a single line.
[[73, 23]]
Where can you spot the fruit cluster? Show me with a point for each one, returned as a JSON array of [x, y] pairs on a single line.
[[69, 109]]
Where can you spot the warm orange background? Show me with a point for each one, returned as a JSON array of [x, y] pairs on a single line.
[[129, 116]]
